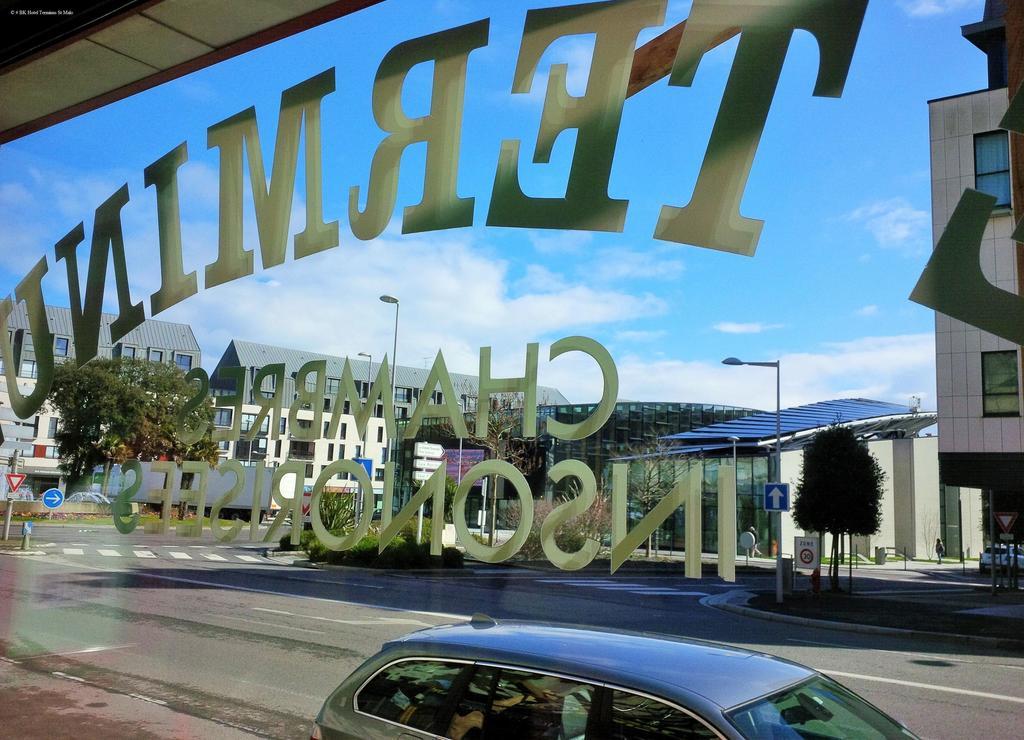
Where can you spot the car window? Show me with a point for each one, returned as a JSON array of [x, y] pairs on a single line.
[[635, 717], [532, 705], [819, 708], [413, 692], [468, 718]]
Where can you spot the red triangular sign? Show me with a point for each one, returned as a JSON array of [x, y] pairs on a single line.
[[1005, 520], [14, 480]]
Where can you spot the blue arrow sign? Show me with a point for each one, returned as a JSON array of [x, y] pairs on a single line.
[[776, 497], [53, 498]]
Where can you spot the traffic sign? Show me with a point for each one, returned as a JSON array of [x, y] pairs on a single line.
[[14, 481], [806, 549], [53, 498], [428, 450], [1006, 519], [776, 497]]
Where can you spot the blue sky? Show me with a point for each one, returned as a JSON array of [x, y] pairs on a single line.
[[841, 184]]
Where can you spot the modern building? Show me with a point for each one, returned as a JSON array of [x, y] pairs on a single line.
[[158, 341], [912, 501], [346, 443], [981, 432]]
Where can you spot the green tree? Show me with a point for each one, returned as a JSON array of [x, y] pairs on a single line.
[[122, 409], [840, 490]]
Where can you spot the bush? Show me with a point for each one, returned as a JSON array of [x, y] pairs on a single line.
[[571, 536], [451, 557]]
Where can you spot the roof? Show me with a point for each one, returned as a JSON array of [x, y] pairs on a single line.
[[668, 666], [150, 333], [254, 354], [871, 417], [57, 67]]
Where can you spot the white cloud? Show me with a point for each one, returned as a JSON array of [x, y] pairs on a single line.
[[559, 242], [540, 278], [925, 8], [617, 264], [733, 327], [893, 222], [881, 368], [640, 335], [869, 310]]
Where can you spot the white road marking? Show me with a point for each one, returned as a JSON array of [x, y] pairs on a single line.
[[911, 654], [109, 553], [95, 649], [180, 555], [214, 556], [144, 554], [272, 624], [355, 622], [65, 675], [668, 592], [150, 700], [73, 551], [249, 558], [285, 594], [928, 686]]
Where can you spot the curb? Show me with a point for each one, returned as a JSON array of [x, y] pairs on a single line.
[[723, 603], [22, 553]]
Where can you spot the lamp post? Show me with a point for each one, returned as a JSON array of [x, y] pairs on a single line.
[[778, 459], [369, 371], [394, 364]]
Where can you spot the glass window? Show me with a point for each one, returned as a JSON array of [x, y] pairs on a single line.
[[28, 369], [818, 708], [412, 693], [60, 346], [992, 165], [51, 431], [280, 424], [184, 362], [525, 704], [330, 452], [635, 717], [380, 434], [247, 421], [156, 355], [309, 470], [999, 383], [222, 417], [326, 425], [403, 395], [128, 352]]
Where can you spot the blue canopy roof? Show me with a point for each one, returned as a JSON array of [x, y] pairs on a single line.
[[799, 419]]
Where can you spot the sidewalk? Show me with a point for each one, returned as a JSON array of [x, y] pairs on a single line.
[[961, 611]]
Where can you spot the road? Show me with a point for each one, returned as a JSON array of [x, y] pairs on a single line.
[[214, 640]]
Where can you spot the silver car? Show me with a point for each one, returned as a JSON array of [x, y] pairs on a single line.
[[520, 680]]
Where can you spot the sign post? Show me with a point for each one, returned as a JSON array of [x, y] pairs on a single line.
[[776, 499], [428, 457]]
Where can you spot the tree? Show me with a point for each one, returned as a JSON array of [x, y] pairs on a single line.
[[653, 473], [122, 409], [840, 490]]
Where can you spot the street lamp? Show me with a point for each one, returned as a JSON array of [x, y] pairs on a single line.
[[369, 372], [778, 458], [394, 349]]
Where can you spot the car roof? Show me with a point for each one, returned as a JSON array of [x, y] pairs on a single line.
[[672, 667]]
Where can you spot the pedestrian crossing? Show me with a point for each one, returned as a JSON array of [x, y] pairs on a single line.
[[612, 585], [160, 552]]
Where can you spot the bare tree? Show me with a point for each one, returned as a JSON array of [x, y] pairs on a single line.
[[653, 473]]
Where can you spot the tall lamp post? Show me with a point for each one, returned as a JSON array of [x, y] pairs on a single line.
[[369, 370], [778, 459], [392, 444]]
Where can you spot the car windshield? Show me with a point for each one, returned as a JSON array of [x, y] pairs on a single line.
[[818, 708]]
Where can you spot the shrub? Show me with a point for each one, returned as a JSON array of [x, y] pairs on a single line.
[[451, 557], [571, 536]]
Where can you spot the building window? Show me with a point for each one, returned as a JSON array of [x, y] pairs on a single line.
[[309, 470], [156, 355], [344, 430], [999, 384], [280, 425], [380, 434], [127, 352], [28, 369], [51, 453], [51, 432], [403, 395], [222, 417], [992, 165], [327, 424], [60, 346], [184, 362], [330, 452]]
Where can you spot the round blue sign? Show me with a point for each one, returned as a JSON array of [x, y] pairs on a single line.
[[53, 498]]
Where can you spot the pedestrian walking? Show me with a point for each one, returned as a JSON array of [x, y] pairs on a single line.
[[754, 552], [940, 549]]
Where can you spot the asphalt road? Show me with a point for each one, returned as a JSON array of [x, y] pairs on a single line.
[[211, 640]]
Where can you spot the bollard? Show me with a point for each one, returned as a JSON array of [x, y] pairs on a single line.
[[904, 558], [26, 534]]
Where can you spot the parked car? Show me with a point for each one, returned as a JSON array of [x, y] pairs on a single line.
[[1003, 558], [526, 680]]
